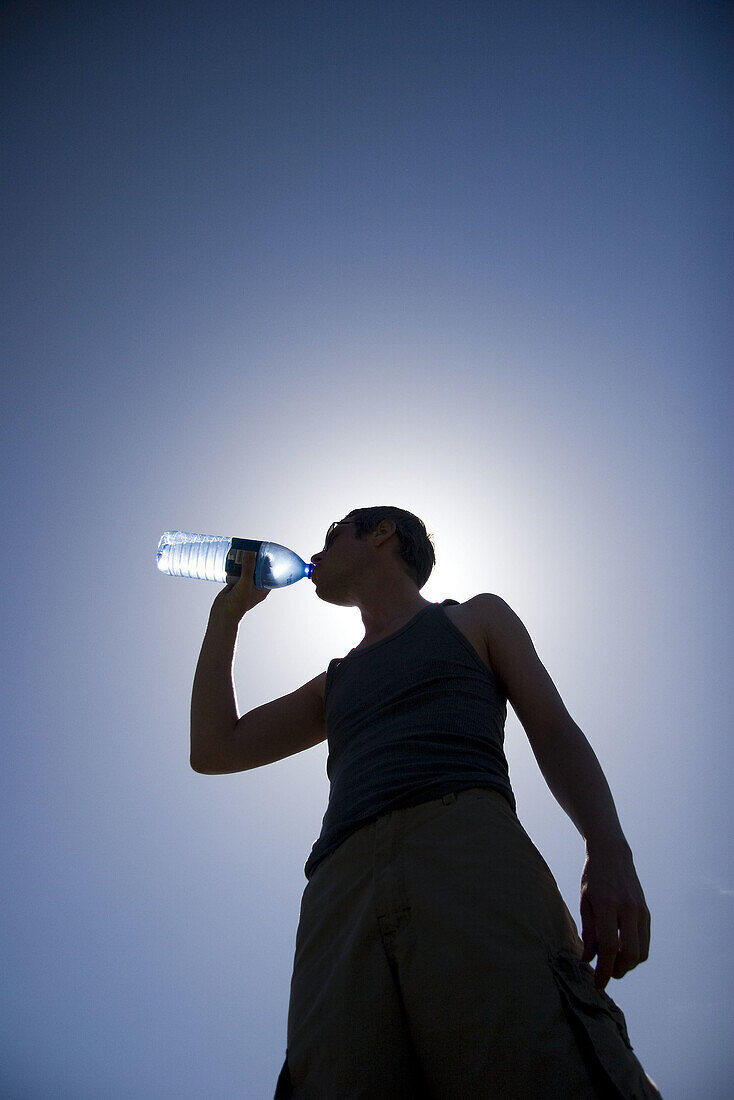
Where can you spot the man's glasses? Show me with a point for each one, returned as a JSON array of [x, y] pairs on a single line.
[[332, 530]]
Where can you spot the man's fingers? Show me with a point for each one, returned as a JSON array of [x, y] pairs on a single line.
[[607, 947], [604, 965], [628, 954], [247, 574], [588, 930], [589, 949], [614, 917]]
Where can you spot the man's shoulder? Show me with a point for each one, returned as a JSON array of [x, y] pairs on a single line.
[[486, 613], [495, 630], [479, 619], [485, 605]]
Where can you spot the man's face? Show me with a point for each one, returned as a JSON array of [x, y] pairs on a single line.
[[336, 563]]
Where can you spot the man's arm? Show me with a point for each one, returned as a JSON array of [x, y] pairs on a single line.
[[221, 742], [614, 916]]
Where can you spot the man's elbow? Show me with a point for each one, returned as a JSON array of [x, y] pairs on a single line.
[[201, 766]]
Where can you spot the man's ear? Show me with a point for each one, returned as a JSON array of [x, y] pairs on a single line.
[[385, 529]]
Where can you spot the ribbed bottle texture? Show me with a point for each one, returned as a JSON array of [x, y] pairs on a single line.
[[201, 557]]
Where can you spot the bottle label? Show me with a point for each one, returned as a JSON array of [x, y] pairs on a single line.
[[236, 553]]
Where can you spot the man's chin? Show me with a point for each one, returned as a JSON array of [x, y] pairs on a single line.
[[332, 597]]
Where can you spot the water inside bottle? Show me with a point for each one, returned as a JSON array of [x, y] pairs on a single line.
[[201, 557]]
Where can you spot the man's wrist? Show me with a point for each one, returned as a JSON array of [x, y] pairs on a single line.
[[608, 846], [223, 622]]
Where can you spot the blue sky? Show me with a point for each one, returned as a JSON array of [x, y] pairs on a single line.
[[268, 262]]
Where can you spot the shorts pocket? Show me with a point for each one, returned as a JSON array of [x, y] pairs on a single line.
[[601, 1029]]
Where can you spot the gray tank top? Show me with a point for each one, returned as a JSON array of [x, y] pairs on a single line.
[[410, 718]]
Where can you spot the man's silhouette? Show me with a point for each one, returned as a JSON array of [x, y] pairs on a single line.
[[435, 956]]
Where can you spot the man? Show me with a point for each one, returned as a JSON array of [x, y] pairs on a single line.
[[434, 956]]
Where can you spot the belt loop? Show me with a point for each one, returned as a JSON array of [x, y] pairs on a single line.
[[448, 798]]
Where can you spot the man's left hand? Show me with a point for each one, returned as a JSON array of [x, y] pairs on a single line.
[[615, 920]]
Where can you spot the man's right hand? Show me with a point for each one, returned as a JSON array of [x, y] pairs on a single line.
[[241, 596]]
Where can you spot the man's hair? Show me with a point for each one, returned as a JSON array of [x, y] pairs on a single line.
[[416, 547]]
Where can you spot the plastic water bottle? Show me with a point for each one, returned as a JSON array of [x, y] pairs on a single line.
[[219, 558]]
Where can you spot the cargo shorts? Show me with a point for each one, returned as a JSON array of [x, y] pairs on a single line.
[[436, 958]]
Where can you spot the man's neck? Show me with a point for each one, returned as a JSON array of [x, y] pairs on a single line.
[[385, 615]]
